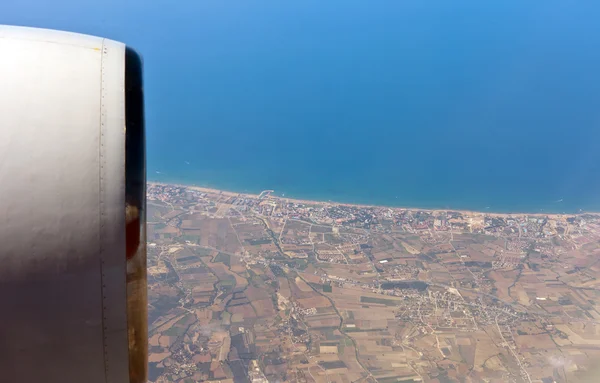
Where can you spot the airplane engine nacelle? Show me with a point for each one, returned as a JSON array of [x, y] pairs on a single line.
[[73, 299]]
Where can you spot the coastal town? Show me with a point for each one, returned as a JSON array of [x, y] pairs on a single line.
[[262, 288]]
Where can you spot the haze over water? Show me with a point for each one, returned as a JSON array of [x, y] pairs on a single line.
[[446, 104]]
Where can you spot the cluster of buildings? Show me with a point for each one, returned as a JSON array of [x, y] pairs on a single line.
[[374, 218], [439, 309]]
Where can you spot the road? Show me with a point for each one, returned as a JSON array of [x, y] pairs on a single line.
[[524, 371]]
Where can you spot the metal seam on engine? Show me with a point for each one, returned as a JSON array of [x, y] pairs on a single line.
[[101, 227]]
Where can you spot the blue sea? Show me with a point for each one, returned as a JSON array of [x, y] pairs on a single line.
[[485, 105]]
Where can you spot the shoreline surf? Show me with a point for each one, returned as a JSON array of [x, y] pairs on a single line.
[[234, 193]]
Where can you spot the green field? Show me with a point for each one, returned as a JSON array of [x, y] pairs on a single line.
[[383, 301], [175, 331], [226, 318], [202, 251], [183, 321], [320, 287], [395, 379], [223, 258], [333, 364], [262, 241]]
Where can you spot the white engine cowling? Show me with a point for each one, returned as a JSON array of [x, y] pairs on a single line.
[[73, 300]]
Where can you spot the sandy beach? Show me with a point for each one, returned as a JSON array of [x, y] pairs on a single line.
[[329, 203]]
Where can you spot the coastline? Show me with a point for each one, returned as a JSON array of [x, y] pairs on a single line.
[[329, 203]]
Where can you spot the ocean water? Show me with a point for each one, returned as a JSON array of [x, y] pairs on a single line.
[[485, 105]]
